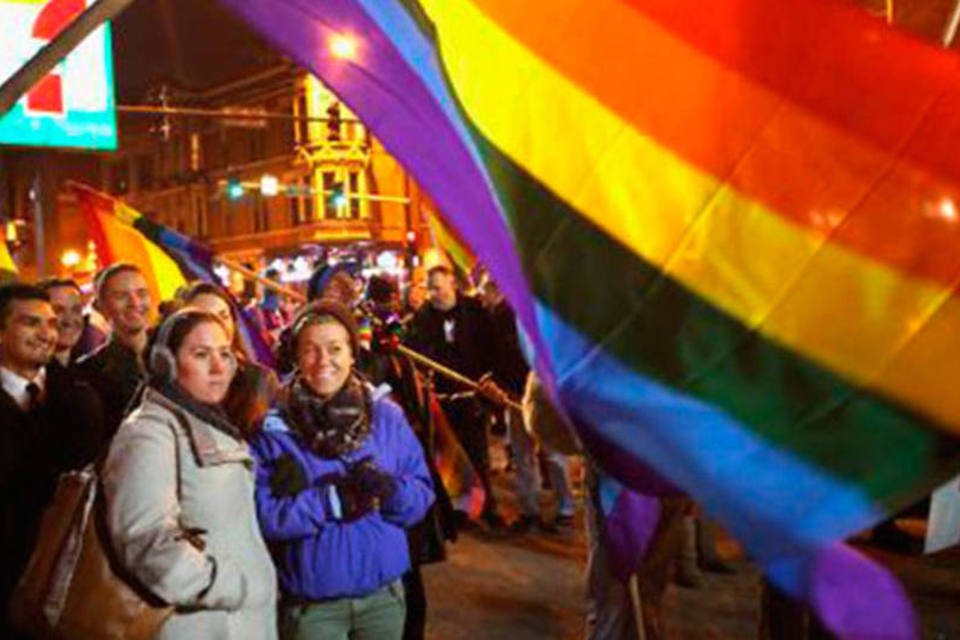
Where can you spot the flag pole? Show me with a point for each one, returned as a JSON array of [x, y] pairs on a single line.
[[951, 31], [56, 50]]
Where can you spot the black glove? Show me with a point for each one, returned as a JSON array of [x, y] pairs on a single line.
[[373, 480], [344, 499]]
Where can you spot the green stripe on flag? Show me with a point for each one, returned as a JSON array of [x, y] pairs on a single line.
[[668, 333]]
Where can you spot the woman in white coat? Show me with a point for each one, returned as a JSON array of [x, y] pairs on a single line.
[[179, 487]]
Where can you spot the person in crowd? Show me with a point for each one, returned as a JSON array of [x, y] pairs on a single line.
[[382, 365], [272, 312], [340, 476], [179, 485], [511, 373], [456, 331], [51, 423], [116, 370], [67, 301], [254, 387], [617, 608]]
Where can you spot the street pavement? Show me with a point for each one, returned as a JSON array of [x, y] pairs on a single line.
[[530, 587]]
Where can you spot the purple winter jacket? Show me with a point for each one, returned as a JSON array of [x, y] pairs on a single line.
[[319, 558]]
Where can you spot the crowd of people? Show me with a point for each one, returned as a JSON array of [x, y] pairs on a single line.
[[297, 501]]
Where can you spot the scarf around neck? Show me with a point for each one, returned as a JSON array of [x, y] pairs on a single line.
[[333, 427]]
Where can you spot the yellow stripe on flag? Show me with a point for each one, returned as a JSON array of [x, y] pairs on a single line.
[[855, 315]]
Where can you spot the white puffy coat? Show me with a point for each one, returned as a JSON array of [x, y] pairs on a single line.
[[197, 546]]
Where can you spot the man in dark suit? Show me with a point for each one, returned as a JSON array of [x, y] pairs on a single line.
[[50, 424], [456, 331]]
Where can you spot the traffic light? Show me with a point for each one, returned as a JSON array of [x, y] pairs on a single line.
[[234, 189]]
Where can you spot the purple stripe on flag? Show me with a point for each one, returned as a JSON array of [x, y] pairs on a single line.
[[393, 86], [630, 522], [392, 100]]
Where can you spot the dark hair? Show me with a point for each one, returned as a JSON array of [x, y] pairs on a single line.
[[381, 289], [200, 288], [104, 276], [187, 322], [18, 291], [323, 310], [56, 283], [184, 321], [439, 268]]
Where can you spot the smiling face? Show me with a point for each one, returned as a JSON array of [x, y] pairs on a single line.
[[324, 357], [205, 363], [125, 301], [214, 304], [68, 305], [28, 336]]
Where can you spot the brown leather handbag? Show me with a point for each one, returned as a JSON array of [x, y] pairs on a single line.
[[74, 587]]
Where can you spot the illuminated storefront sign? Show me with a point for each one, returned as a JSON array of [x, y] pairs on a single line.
[[73, 105]]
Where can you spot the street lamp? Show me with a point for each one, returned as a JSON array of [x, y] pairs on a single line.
[[343, 46], [269, 185], [70, 258]]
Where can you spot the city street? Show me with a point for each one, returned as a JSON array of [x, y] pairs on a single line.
[[531, 587]]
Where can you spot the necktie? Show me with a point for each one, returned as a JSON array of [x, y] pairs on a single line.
[[33, 393]]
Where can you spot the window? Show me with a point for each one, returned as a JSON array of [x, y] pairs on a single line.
[[354, 190], [329, 183]]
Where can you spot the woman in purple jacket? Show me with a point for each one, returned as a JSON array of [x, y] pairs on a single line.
[[340, 475]]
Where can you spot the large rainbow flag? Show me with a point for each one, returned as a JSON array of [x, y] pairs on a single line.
[[730, 230], [167, 258]]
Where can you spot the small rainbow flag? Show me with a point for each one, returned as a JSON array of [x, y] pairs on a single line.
[[113, 226], [457, 474], [168, 259], [8, 268], [730, 230]]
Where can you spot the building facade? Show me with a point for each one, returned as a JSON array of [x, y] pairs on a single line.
[[266, 167]]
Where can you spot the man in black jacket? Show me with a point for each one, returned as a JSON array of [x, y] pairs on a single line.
[[456, 331], [50, 424], [116, 370]]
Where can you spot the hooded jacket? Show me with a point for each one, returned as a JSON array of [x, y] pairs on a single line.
[[320, 558], [182, 519]]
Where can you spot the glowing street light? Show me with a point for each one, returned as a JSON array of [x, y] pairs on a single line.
[[269, 185], [343, 46], [948, 210], [70, 258]]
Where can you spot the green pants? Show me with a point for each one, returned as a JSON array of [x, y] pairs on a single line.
[[378, 616]]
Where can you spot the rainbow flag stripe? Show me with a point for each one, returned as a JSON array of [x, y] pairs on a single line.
[[113, 227], [167, 258], [446, 239], [460, 479], [8, 268], [730, 230]]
